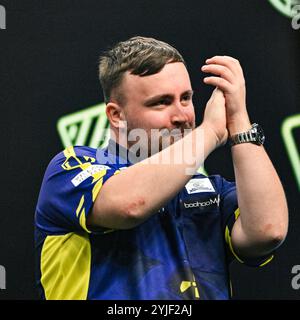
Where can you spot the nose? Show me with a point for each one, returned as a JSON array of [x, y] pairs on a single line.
[[179, 116]]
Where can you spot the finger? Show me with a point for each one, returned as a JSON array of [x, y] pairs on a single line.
[[224, 59], [221, 83], [229, 62], [219, 70]]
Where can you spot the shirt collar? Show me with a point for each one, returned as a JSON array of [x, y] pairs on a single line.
[[116, 151]]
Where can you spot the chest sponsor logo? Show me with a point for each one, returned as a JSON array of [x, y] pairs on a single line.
[[199, 185], [212, 202]]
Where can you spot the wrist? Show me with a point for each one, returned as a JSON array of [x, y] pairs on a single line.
[[214, 138], [238, 124]]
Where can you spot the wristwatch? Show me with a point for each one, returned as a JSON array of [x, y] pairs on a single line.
[[254, 135]]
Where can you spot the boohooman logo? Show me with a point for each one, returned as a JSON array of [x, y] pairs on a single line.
[[199, 204]]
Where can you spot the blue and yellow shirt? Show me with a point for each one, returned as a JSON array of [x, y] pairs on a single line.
[[181, 252]]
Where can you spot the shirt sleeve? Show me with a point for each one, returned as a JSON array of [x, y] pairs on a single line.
[[230, 212], [71, 184]]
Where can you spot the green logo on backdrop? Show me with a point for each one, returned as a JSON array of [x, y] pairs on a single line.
[[88, 127], [292, 145], [286, 7]]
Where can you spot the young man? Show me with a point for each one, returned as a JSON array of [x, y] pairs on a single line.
[[110, 225]]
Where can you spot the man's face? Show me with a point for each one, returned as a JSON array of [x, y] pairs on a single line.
[[159, 101]]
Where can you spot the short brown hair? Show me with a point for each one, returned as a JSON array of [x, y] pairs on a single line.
[[139, 55]]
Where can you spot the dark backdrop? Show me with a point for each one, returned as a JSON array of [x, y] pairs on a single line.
[[48, 69]]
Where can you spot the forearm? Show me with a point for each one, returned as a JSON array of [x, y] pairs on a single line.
[[263, 218], [263, 209]]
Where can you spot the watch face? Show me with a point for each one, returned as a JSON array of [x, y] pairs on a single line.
[[260, 136], [261, 139]]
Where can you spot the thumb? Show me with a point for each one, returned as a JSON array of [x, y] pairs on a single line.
[[217, 95]]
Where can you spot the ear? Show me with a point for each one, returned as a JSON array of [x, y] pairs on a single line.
[[115, 114]]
